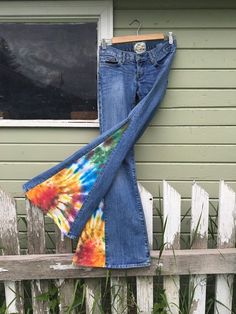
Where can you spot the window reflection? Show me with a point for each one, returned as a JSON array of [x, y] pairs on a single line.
[[47, 71]]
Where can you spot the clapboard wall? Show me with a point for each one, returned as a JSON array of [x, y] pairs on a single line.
[[192, 136]]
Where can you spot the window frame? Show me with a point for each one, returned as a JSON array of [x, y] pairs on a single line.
[[58, 11]]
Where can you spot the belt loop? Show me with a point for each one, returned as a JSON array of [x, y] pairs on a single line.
[[123, 57]]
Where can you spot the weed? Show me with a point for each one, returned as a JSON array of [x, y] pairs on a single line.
[[161, 305]]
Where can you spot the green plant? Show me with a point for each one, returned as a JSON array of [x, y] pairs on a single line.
[[51, 298], [3, 308], [78, 299], [161, 305]]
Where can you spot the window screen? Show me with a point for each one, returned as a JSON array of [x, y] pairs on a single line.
[[48, 71]]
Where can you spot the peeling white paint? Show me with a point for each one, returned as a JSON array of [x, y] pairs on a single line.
[[224, 294], [10, 295], [59, 266], [171, 216], [199, 231], [144, 284], [203, 282], [226, 238], [144, 295], [147, 203], [2, 270], [172, 212], [37, 282], [8, 222], [61, 281], [199, 211], [226, 225], [8, 233]]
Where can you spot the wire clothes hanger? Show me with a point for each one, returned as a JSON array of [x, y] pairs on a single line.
[[138, 37]]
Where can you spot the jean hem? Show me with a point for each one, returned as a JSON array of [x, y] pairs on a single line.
[[126, 266]]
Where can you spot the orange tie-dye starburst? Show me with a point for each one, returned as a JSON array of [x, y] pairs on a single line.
[[90, 249]]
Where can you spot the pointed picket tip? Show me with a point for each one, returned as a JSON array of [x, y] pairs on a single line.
[[169, 189], [226, 216], [196, 185], [199, 216], [171, 216], [147, 203]]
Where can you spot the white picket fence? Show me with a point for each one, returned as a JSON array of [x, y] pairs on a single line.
[[171, 263]]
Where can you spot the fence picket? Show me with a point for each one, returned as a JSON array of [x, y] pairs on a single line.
[[171, 217], [36, 245], [65, 286], [144, 294], [199, 235], [93, 295], [10, 246], [145, 284], [147, 202], [119, 295], [225, 239]]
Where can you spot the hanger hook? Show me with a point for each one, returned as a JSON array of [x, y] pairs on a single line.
[[139, 25]]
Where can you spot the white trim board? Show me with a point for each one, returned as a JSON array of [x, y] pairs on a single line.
[[49, 123]]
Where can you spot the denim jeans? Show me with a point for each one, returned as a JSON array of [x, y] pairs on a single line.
[[131, 86]]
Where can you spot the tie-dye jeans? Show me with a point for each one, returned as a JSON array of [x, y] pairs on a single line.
[[93, 194]]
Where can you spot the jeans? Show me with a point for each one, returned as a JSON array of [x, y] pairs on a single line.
[[93, 193]]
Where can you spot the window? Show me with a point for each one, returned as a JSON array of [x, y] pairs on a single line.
[[48, 71], [48, 61]]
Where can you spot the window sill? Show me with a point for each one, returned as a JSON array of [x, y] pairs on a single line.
[[49, 123]]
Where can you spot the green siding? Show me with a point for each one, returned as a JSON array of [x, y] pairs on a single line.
[[145, 170], [182, 18], [144, 152], [192, 136]]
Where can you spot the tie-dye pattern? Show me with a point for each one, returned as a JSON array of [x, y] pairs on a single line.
[[90, 249], [63, 194]]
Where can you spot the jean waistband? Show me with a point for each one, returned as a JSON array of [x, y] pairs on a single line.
[[155, 50]]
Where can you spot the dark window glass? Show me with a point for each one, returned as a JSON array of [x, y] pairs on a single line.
[[48, 71]]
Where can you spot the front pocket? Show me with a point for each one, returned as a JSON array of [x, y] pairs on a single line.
[[109, 60], [112, 61]]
